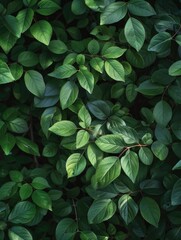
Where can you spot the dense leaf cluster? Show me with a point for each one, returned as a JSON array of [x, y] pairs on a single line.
[[90, 120]]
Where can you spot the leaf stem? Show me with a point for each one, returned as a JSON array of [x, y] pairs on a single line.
[[127, 148]]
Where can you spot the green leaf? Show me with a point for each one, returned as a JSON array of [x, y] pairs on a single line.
[[101, 210], [160, 42], [174, 234], [22, 213], [176, 128], [50, 150], [34, 83], [150, 211], [130, 165], [128, 209], [16, 176], [86, 79], [162, 113], [108, 170], [16, 71], [128, 134], [8, 189], [12, 24], [68, 94], [28, 59], [42, 199], [19, 233], [141, 8], [57, 47], [47, 7], [75, 165], [64, 128], [66, 229], [150, 89], [146, 155], [114, 12], [82, 138], [100, 109], [97, 64], [78, 7], [42, 31], [7, 143], [27, 146], [93, 46], [18, 125], [175, 69], [5, 73], [111, 143], [115, 70], [64, 71], [7, 40], [40, 183], [177, 166], [88, 235], [159, 150], [135, 33], [131, 92], [84, 116], [176, 193], [25, 18], [94, 154], [113, 52], [25, 191]]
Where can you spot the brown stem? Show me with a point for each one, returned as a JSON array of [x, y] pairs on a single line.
[[127, 148]]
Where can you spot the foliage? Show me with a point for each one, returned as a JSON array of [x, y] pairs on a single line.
[[90, 119]]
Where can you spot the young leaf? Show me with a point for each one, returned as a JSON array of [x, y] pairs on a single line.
[[141, 8], [162, 113], [135, 33], [63, 128], [75, 165], [115, 70], [128, 208], [101, 210], [107, 171], [68, 94], [114, 12], [150, 210], [34, 83], [130, 165], [42, 31]]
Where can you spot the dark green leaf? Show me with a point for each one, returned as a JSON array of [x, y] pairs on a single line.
[[150, 210]]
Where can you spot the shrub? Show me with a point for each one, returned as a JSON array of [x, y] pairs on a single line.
[[90, 120]]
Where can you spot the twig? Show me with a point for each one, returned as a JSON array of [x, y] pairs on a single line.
[[76, 215], [32, 139], [127, 148]]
